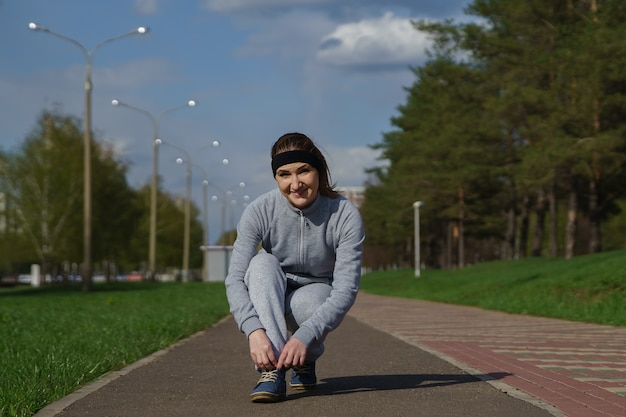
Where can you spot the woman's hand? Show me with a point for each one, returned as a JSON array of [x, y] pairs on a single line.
[[293, 354], [261, 350]]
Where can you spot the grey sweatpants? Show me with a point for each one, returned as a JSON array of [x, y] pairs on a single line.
[[283, 302]]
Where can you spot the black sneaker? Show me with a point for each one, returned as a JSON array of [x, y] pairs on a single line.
[[303, 377], [271, 387]]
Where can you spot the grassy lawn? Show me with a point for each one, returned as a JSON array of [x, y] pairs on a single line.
[[55, 339], [587, 288]]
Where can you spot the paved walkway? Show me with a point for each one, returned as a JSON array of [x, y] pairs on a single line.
[[390, 357]]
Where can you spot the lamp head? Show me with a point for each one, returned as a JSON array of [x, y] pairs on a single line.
[[35, 26]]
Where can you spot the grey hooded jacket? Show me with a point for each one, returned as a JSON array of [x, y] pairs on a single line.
[[324, 240]]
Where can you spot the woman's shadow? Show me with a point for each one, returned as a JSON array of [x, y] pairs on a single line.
[[364, 383]]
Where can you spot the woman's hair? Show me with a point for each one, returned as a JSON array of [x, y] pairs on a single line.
[[300, 142]]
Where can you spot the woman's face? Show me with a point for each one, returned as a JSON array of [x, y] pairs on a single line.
[[299, 182]]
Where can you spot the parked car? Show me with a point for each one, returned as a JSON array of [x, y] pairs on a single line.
[[24, 279]]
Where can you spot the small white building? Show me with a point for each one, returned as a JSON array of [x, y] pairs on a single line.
[[217, 262]]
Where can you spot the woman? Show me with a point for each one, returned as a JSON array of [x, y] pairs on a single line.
[[290, 294]]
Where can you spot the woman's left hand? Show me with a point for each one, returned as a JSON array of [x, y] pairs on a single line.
[[293, 354]]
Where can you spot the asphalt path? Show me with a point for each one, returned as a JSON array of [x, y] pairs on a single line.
[[364, 372]]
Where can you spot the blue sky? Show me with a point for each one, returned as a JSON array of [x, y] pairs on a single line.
[[333, 69]]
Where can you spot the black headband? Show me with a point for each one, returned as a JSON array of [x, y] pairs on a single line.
[[290, 157]]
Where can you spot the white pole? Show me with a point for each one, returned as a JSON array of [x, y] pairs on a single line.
[[416, 207], [35, 275]]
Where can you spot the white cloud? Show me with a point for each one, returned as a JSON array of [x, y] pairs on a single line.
[[387, 41], [348, 164], [429, 8], [121, 147]]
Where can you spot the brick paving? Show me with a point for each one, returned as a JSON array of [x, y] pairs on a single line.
[[578, 368]]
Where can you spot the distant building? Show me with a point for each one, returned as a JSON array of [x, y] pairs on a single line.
[[355, 194]]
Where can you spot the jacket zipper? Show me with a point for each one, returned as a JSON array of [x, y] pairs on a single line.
[[301, 243]]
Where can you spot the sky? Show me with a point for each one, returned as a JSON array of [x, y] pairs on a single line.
[[335, 70]]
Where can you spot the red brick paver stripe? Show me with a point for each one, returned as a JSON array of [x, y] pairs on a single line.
[[554, 388]]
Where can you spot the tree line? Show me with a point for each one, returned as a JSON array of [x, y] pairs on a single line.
[[41, 185], [513, 134]]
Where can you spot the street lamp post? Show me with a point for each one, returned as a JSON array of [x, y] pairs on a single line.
[[416, 208], [187, 208], [187, 225], [205, 220], [226, 193], [222, 217], [87, 140], [155, 176], [225, 199], [233, 203]]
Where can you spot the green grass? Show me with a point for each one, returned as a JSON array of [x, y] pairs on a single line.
[[588, 288], [54, 340]]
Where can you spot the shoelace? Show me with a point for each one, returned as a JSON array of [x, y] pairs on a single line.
[[304, 369], [269, 376]]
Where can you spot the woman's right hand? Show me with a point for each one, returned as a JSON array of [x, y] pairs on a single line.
[[261, 350]]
